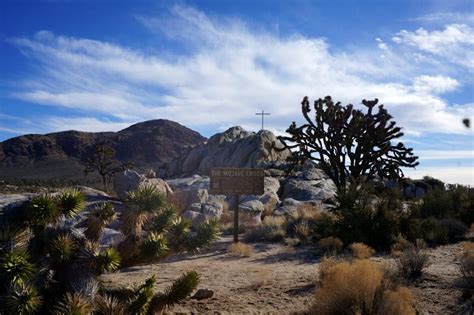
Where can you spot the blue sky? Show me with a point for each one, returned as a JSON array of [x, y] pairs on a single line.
[[103, 65]]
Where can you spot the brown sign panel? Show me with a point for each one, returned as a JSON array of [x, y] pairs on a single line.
[[237, 181]]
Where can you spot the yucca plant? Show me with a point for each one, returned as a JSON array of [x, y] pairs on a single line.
[[74, 304], [179, 290], [102, 215], [154, 246], [43, 210], [62, 249], [15, 268], [142, 296], [108, 260], [164, 218], [146, 198], [204, 235], [178, 232], [22, 299], [109, 305], [71, 202], [13, 237]]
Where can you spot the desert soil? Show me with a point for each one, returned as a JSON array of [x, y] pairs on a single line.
[[278, 279]]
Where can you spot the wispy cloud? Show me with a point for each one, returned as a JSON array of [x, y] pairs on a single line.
[[230, 70], [454, 43]]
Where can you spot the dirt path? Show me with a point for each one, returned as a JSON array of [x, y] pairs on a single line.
[[278, 279]]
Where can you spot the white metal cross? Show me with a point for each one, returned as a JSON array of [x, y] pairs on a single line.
[[263, 115]]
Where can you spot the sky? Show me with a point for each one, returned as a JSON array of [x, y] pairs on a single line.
[[209, 65]]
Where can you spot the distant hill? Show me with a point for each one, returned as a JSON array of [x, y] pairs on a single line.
[[60, 155]]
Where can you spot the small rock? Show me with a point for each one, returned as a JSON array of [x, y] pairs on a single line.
[[203, 294]]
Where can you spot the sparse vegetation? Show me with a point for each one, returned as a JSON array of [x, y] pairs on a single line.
[[467, 270], [331, 245], [361, 251], [241, 249], [360, 288], [103, 162], [412, 261]]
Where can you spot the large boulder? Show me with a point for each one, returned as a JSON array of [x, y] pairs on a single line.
[[130, 180], [253, 209], [235, 147], [185, 198], [307, 190]]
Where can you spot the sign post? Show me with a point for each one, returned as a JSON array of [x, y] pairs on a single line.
[[237, 181]]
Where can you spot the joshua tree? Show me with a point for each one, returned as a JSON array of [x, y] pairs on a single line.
[[348, 144], [103, 162]]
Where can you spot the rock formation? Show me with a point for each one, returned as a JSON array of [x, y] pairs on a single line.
[[232, 148]]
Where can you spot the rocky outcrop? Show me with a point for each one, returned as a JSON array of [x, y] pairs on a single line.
[[232, 148], [130, 180]]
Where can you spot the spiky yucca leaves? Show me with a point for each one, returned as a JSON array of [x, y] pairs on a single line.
[[102, 215], [179, 290], [62, 249], [205, 234], [141, 204], [13, 237], [109, 305], [178, 233], [142, 296], [108, 260], [74, 304], [146, 198], [15, 269], [154, 246], [71, 202], [43, 210], [96, 261], [22, 299], [164, 218]]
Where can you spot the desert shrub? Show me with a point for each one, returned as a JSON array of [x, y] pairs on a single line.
[[411, 262], [399, 246], [377, 228], [467, 270], [430, 230], [360, 288], [271, 230], [361, 251], [454, 202], [331, 245], [302, 230], [455, 229], [240, 249]]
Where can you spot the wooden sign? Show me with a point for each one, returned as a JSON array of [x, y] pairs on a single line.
[[237, 181]]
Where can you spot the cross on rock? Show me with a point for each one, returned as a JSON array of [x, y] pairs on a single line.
[[263, 114]]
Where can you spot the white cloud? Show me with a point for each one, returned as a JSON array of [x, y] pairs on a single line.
[[435, 84], [229, 72], [455, 43]]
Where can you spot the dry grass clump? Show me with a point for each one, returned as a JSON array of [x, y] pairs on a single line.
[[412, 261], [361, 251], [399, 246], [272, 229], [467, 246], [306, 212], [360, 287], [241, 249], [331, 245]]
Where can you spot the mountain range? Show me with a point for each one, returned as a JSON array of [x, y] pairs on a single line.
[[148, 144]]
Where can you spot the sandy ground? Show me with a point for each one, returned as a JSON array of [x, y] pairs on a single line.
[[279, 279]]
